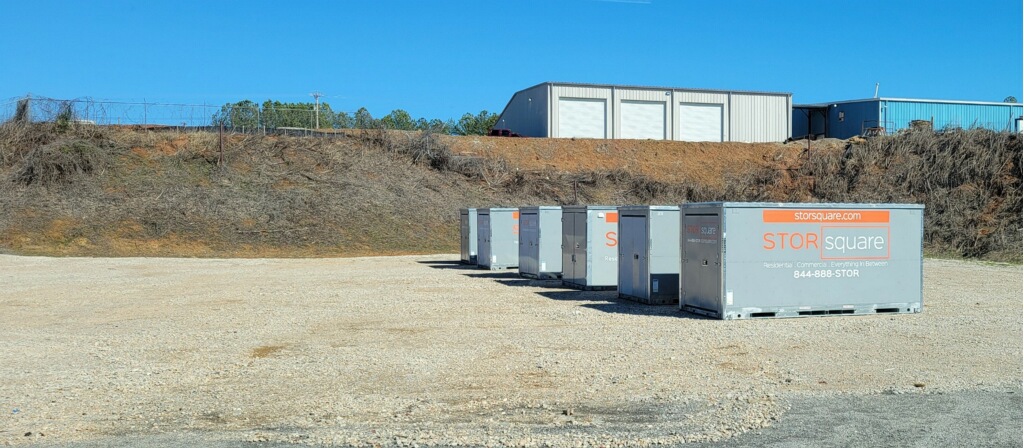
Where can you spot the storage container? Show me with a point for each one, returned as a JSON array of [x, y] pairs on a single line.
[[467, 233], [590, 246], [540, 242], [649, 254], [746, 260], [497, 238]]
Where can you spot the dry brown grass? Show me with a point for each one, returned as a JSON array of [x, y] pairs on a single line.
[[88, 190]]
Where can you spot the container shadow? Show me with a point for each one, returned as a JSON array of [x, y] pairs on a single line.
[[507, 274], [577, 295], [445, 264], [611, 303], [531, 282]]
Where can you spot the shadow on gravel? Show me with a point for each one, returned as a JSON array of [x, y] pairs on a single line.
[[613, 304], [532, 282], [449, 265], [509, 275]]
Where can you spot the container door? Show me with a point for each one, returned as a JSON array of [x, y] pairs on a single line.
[[641, 264], [528, 238], [483, 233], [464, 236], [625, 254], [580, 248], [567, 242], [702, 263]]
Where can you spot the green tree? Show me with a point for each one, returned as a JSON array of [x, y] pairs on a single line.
[[435, 126], [479, 124], [398, 119], [1010, 99], [342, 120], [243, 114], [297, 115], [363, 119]]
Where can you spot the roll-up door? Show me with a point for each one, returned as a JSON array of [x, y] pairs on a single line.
[[700, 122], [579, 117], [643, 119]]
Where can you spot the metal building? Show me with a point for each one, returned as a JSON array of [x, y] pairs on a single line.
[[649, 254], [793, 260], [872, 116], [467, 233], [540, 242], [497, 238], [590, 247], [570, 110]]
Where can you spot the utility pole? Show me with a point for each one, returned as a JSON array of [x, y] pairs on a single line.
[[316, 96]]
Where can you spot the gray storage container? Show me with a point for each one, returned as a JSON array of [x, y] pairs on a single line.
[[743, 260], [649, 254], [540, 242], [467, 233], [590, 246], [497, 238]]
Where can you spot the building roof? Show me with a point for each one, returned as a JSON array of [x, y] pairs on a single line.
[[626, 86], [909, 100]]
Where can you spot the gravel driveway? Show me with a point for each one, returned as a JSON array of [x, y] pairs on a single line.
[[420, 350]]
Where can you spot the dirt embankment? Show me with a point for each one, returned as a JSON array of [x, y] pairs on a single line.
[[97, 191]]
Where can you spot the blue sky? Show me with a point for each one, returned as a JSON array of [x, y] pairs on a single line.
[[440, 59]]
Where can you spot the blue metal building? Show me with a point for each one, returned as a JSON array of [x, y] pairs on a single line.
[[845, 119]]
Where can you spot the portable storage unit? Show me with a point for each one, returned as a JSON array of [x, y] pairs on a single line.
[[497, 238], [467, 232], [590, 247], [649, 254], [540, 240], [744, 260]]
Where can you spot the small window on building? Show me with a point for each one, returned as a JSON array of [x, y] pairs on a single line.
[[842, 116]]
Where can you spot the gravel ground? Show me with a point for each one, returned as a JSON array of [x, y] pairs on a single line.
[[421, 351]]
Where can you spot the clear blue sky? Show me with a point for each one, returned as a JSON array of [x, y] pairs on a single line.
[[440, 59]]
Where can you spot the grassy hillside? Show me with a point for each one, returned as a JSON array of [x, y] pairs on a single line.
[[98, 191]]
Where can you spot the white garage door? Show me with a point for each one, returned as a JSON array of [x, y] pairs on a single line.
[[700, 122], [643, 119], [578, 117]]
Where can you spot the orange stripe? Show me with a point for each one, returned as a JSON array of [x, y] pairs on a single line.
[[515, 215], [810, 216], [611, 217]]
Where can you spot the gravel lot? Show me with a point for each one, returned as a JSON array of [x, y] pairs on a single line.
[[420, 350]]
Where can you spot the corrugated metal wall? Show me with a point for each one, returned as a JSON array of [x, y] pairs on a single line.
[[527, 112], [760, 118], [846, 120], [746, 116], [997, 117]]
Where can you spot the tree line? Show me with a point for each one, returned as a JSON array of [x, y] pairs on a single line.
[[275, 114]]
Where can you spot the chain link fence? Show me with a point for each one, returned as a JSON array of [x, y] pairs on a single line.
[[234, 118]]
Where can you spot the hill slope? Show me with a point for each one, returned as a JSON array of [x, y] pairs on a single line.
[[98, 191]]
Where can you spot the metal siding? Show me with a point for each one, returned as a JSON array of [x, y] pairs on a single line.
[[759, 118], [526, 113], [996, 117], [856, 116]]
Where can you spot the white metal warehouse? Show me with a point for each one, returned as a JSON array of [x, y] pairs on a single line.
[[564, 110]]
